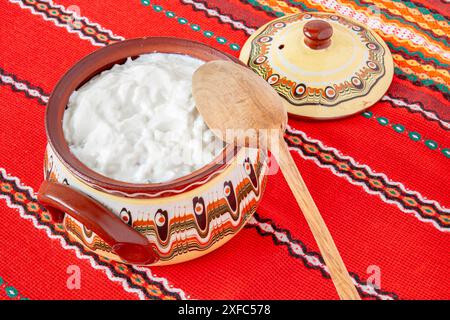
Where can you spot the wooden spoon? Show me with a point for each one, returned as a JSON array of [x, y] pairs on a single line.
[[239, 106]]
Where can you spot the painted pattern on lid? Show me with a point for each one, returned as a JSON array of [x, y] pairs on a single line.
[[351, 73]]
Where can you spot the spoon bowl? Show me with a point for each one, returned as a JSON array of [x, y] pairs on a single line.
[[239, 107]]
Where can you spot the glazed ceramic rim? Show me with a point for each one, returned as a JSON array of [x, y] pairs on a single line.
[[104, 59]]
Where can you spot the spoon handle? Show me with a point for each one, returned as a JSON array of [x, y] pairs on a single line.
[[339, 274]]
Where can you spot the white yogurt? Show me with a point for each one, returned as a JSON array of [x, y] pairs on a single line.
[[137, 122]]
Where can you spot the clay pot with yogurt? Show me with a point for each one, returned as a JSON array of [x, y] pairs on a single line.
[[154, 223]]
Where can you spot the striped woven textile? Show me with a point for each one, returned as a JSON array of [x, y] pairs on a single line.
[[381, 178]]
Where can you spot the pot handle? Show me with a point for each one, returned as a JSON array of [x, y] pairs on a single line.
[[127, 243]]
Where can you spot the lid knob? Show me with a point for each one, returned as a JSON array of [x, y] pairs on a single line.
[[318, 34]]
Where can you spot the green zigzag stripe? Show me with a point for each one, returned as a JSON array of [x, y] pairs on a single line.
[[422, 10], [425, 82], [419, 54], [255, 3], [304, 7]]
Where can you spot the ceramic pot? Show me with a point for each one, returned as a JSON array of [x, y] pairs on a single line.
[[147, 224]]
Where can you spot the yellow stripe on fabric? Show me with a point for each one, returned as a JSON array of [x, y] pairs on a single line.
[[427, 71]]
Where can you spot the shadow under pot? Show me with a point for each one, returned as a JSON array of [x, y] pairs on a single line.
[[146, 224]]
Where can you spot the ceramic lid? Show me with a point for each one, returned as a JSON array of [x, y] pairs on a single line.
[[325, 66]]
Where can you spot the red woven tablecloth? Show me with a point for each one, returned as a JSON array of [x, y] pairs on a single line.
[[380, 179]]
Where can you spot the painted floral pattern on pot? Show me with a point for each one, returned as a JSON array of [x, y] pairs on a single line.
[[182, 226]]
